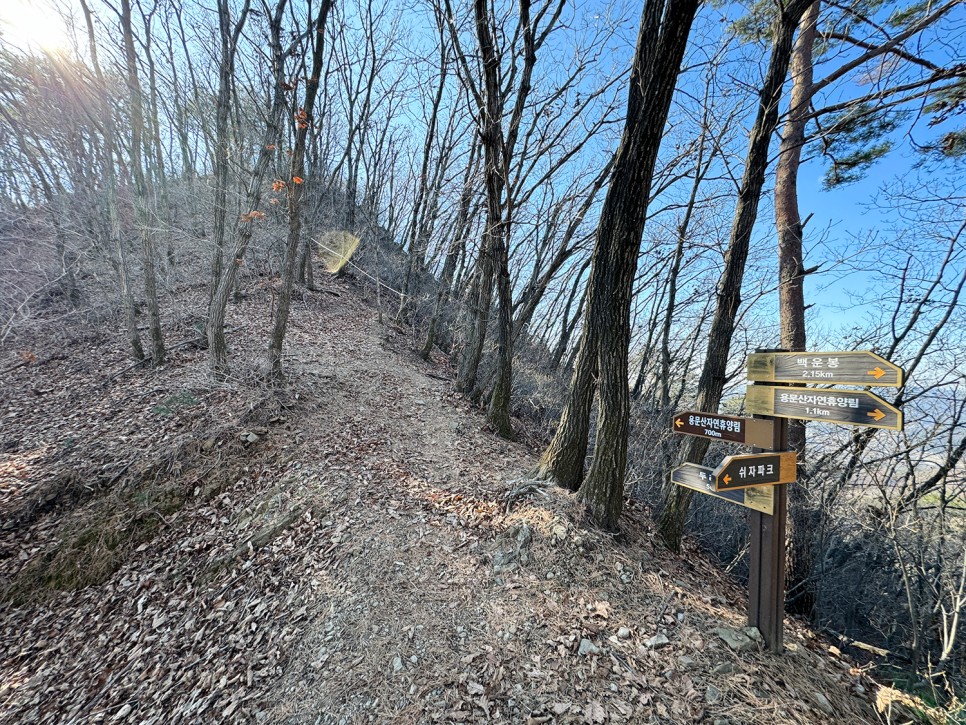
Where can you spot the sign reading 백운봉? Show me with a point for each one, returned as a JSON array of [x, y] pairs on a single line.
[[749, 431], [843, 368], [849, 407]]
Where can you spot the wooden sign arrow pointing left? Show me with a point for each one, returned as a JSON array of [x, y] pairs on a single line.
[[755, 470], [749, 431]]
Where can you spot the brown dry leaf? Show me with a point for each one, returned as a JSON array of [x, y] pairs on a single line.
[[594, 712], [353, 481]]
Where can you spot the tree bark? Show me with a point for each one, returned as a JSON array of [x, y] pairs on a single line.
[[661, 42], [294, 185], [714, 373], [803, 516]]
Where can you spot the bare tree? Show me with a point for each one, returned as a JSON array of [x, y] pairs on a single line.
[[244, 227], [294, 185], [661, 42], [714, 371], [142, 197]]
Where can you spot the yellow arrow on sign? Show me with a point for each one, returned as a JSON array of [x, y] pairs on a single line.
[[727, 479], [877, 372], [876, 415], [678, 423]]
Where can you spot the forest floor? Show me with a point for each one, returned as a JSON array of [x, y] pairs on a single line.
[[356, 548]]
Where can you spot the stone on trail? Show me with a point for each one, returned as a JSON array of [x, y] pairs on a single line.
[[657, 641], [737, 640]]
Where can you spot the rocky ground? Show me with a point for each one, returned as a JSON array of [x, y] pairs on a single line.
[[357, 548]]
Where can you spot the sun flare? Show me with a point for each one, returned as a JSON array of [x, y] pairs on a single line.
[[31, 25]]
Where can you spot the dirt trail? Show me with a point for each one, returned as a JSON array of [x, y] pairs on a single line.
[[365, 567]]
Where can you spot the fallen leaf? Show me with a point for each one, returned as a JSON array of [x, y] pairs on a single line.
[[594, 712]]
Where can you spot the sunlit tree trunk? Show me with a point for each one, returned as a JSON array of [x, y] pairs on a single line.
[[661, 41], [676, 499], [140, 187], [791, 306], [110, 200]]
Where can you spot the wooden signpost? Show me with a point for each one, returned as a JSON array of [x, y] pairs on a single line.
[[758, 481], [847, 407], [748, 431], [835, 368], [702, 479]]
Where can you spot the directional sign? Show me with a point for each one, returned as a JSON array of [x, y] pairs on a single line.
[[701, 479], [737, 472], [845, 368], [849, 407], [750, 431]]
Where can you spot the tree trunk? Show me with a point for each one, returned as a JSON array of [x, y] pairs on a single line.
[[479, 299], [226, 77], [217, 349], [110, 201], [563, 459], [494, 236], [803, 514], [498, 414], [140, 187], [295, 184], [661, 42], [713, 374]]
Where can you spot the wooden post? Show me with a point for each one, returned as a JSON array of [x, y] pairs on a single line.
[[766, 577]]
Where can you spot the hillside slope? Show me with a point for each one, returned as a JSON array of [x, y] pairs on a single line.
[[355, 549]]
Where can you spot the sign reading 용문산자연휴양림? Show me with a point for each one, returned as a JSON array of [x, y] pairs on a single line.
[[748, 431], [849, 407]]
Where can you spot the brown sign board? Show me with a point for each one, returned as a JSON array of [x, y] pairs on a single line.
[[836, 368], [701, 479], [765, 469], [749, 431], [848, 407]]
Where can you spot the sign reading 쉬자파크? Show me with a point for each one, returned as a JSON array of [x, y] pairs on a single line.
[[737, 472], [702, 479]]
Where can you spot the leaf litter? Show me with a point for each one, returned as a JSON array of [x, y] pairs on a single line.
[[356, 548]]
